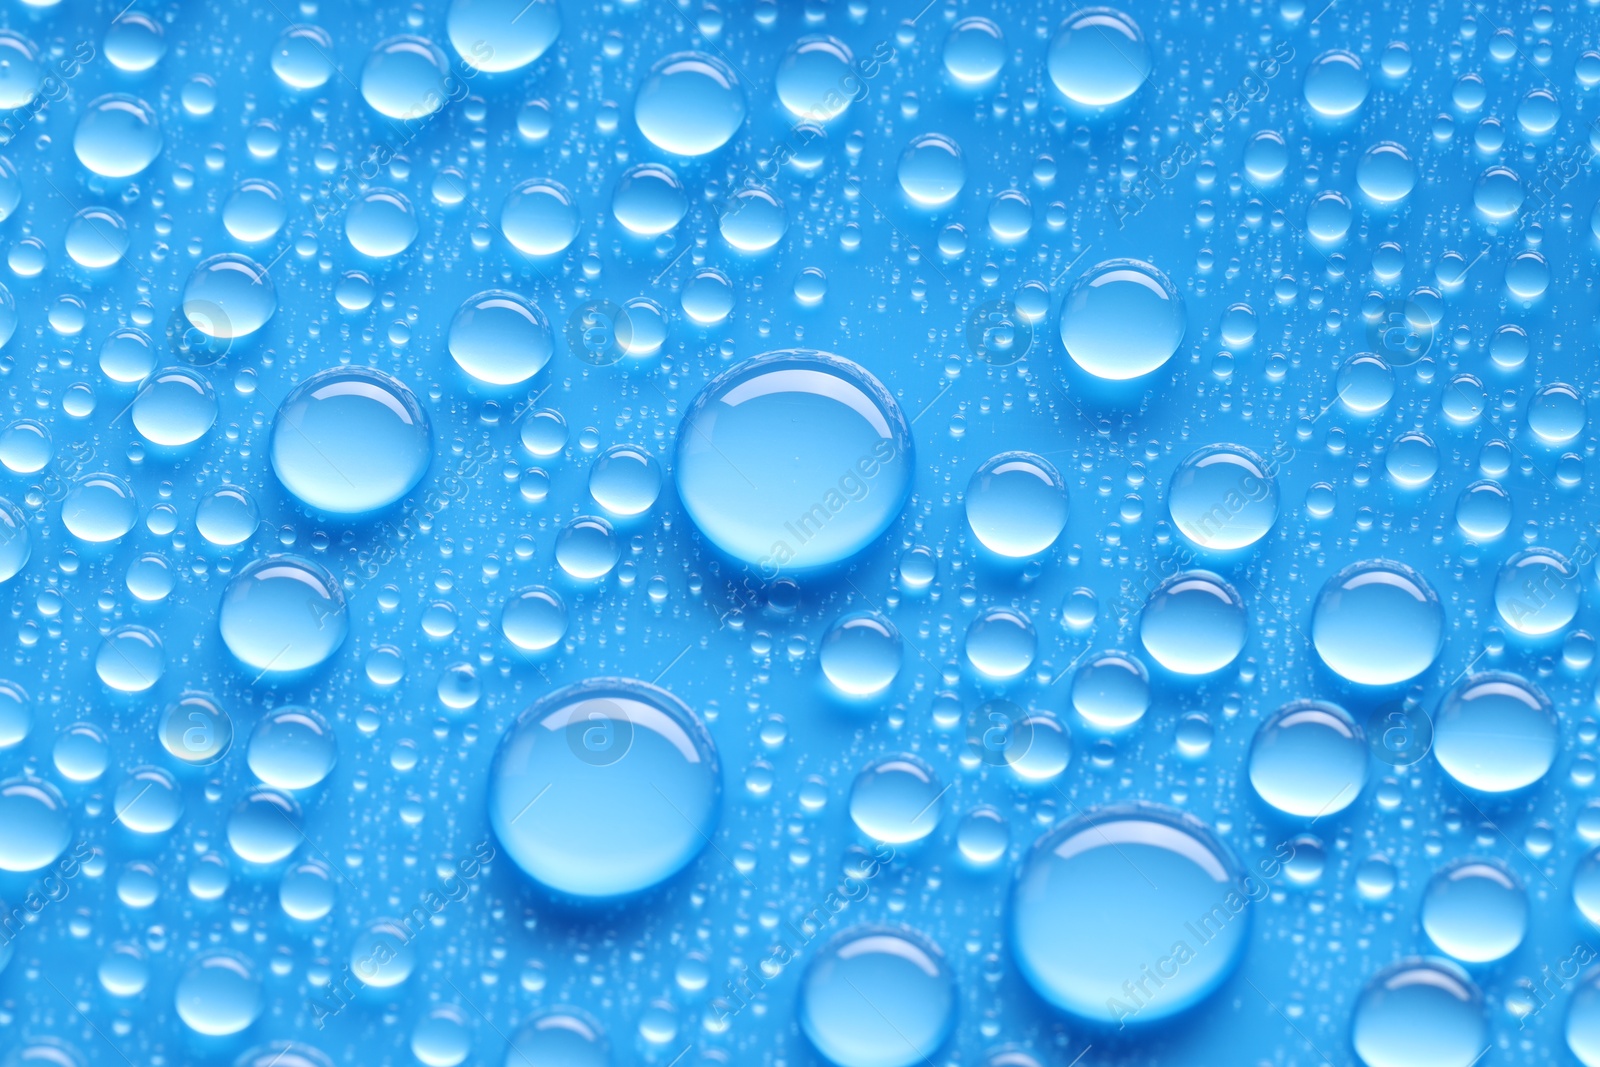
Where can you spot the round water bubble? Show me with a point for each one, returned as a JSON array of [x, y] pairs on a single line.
[[1496, 733], [1412, 460], [1483, 511], [283, 613], [135, 42], [1328, 217], [1194, 623], [500, 338], [301, 58], [442, 1038], [219, 994], [896, 800], [1122, 319], [130, 659], [117, 136], [291, 748], [877, 996], [226, 516], [1309, 759], [562, 1038], [539, 217], [1557, 414], [381, 955], [1016, 504], [1365, 383], [534, 619], [349, 440], [1419, 1012], [793, 459], [587, 548], [148, 801], [99, 508], [380, 223], [97, 238], [1099, 57], [625, 480], [16, 548], [1527, 275], [1111, 691], [20, 72], [25, 447], [1114, 891], [229, 296], [974, 51], [649, 200], [1377, 623], [263, 827], [16, 714], [1223, 497], [1010, 216], [1499, 193], [1537, 592], [1475, 911], [1386, 173], [255, 211], [1336, 84], [689, 104], [754, 220], [1266, 155], [816, 79], [175, 407], [932, 169], [307, 891], [1001, 643], [406, 78], [127, 355], [500, 35], [35, 824], [707, 296], [604, 788], [983, 836]]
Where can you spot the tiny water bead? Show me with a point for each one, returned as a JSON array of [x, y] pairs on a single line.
[[1537, 592], [1496, 733], [1377, 623], [229, 297], [500, 338], [877, 996], [1419, 1012], [1475, 911], [1016, 504], [283, 613], [604, 788], [219, 994], [1099, 57], [405, 78], [35, 824], [1309, 759], [350, 440], [118, 136], [792, 460], [1194, 623], [860, 653], [1111, 691], [502, 35], [534, 619], [539, 217], [1336, 84], [689, 104], [1110, 895], [1001, 643], [932, 170], [1122, 319], [1223, 497], [896, 800]]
